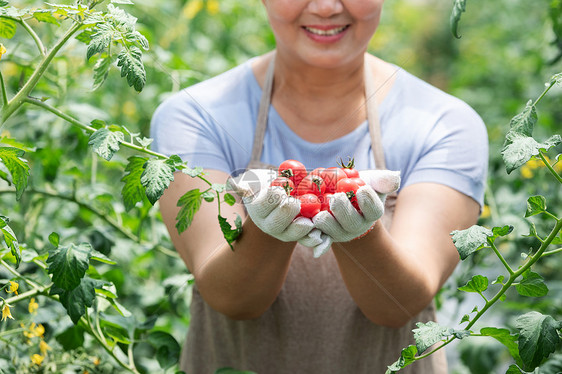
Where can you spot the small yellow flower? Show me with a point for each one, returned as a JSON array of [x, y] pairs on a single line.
[[6, 312], [485, 212], [527, 172], [192, 8], [2, 50], [213, 7], [44, 347], [35, 331], [33, 306], [13, 287], [37, 359], [97, 361]]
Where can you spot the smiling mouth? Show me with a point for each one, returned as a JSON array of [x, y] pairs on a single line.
[[329, 32]]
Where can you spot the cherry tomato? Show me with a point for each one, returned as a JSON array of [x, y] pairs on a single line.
[[325, 201], [286, 183], [349, 168], [310, 205], [351, 173], [360, 182], [349, 187], [317, 172], [311, 184], [292, 169], [331, 177]]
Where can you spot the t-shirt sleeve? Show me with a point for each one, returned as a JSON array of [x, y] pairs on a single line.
[[455, 153], [180, 126]]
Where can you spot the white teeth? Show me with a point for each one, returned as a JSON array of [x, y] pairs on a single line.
[[326, 32]]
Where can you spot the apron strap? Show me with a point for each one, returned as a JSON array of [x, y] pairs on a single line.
[[373, 118], [263, 113]]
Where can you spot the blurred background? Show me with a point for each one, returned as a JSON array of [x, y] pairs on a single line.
[[508, 49]]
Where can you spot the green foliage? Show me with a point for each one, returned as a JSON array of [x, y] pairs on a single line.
[[459, 7], [478, 283], [538, 338], [18, 167], [189, 204], [68, 264], [532, 284], [105, 142], [156, 177]]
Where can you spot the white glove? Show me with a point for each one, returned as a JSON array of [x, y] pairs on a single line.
[[347, 223], [270, 208], [318, 241]]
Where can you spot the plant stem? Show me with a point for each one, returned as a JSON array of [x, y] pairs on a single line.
[[19, 99], [540, 253], [87, 128], [17, 274], [550, 168], [502, 259], [87, 325], [544, 92], [35, 37], [110, 221], [552, 252], [27, 294], [3, 88]]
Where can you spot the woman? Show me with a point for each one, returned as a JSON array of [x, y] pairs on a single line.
[[269, 306]]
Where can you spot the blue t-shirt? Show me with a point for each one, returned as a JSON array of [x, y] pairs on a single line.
[[428, 135]]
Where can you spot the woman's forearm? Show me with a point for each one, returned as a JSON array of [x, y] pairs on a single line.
[[388, 283], [244, 282]]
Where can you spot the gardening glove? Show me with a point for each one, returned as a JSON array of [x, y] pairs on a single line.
[[318, 241], [270, 208], [346, 223]]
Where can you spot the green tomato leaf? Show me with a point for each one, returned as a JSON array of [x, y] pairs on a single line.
[[156, 177], [535, 205], [499, 280], [76, 300], [166, 346], [101, 39], [459, 7], [54, 239], [520, 148], [133, 190], [195, 172], [465, 318], [209, 196], [478, 283], [552, 366], [471, 240], [71, 338], [7, 28], [10, 239], [538, 338], [532, 285], [556, 78], [219, 187], [505, 337], [231, 234], [406, 358], [428, 334], [190, 203], [68, 264], [229, 199], [105, 142], [513, 369], [524, 122], [45, 16], [101, 70], [18, 167], [144, 142], [130, 61]]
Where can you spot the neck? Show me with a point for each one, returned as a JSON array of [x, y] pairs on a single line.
[[297, 78]]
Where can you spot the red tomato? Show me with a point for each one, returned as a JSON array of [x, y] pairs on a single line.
[[351, 173], [317, 172], [286, 183], [349, 187], [349, 168], [331, 177], [310, 205], [325, 201], [311, 184], [360, 182], [292, 169]]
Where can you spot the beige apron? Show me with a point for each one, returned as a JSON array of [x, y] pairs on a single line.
[[314, 326]]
